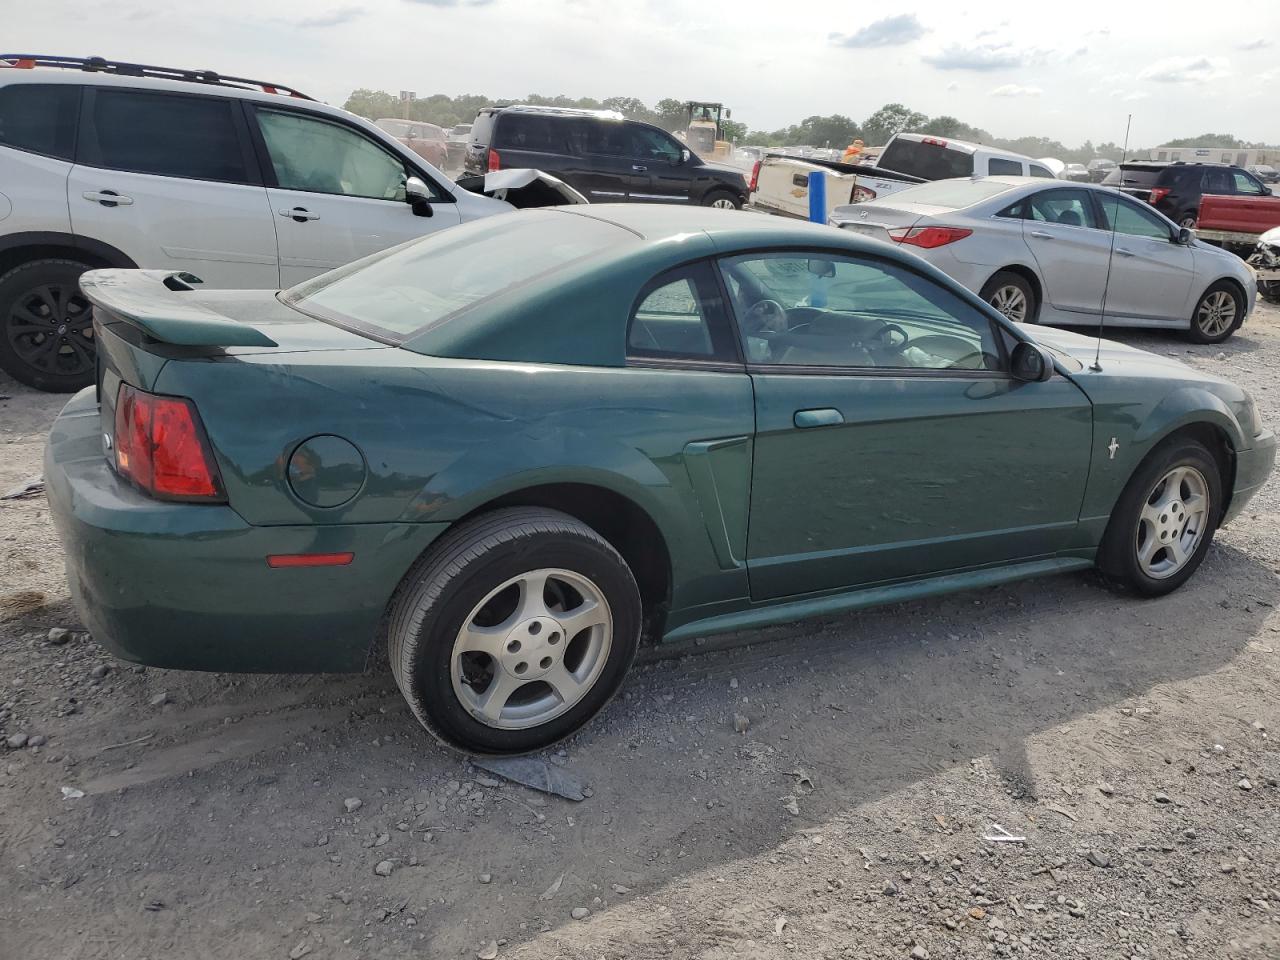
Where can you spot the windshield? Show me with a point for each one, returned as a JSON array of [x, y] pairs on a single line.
[[953, 194], [422, 283], [928, 161]]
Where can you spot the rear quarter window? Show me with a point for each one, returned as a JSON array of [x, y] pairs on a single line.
[[540, 134], [929, 161], [999, 167], [40, 118]]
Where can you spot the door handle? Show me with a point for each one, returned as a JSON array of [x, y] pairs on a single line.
[[822, 417], [298, 214], [638, 168], [1041, 235], [108, 198], [1122, 252]]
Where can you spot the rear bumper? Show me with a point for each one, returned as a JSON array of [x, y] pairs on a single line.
[[186, 586], [1253, 467]]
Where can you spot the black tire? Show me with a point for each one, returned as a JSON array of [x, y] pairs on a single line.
[[1118, 555], [1269, 290], [441, 592], [1004, 280], [40, 294], [1202, 330], [721, 197]]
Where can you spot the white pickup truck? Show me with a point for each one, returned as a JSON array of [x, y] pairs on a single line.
[[781, 184]]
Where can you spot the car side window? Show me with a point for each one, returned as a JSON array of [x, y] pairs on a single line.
[[1217, 180], [322, 157], [653, 145], [822, 309], [999, 167], [1133, 220], [1068, 207], [40, 118], [1039, 171], [536, 133], [606, 138], [1245, 184], [681, 316], [168, 135]]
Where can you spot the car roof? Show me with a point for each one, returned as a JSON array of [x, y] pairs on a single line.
[[663, 222]]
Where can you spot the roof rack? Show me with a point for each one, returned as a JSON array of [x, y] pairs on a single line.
[[28, 61]]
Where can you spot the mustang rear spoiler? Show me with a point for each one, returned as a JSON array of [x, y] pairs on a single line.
[[152, 301]]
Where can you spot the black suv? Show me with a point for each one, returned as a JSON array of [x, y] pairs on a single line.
[[604, 157], [1175, 189]]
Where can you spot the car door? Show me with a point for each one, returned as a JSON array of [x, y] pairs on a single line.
[[601, 167], [171, 180], [1151, 273], [1062, 230], [891, 442], [335, 193], [658, 161]]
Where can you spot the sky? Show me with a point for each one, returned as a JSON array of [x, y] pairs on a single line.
[[1046, 71]]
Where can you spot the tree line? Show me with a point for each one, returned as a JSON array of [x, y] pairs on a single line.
[[835, 130]]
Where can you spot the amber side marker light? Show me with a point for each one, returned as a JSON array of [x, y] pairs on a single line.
[[309, 559]]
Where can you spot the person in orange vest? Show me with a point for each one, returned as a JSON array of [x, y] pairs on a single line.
[[851, 151]]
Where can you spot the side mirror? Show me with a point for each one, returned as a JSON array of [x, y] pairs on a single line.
[[684, 156], [1186, 235], [418, 195], [1031, 363]]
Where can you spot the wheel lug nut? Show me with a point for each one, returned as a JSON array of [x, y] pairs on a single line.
[[513, 646], [544, 662], [521, 667], [535, 628]]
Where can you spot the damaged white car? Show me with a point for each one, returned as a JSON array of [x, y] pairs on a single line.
[[240, 183]]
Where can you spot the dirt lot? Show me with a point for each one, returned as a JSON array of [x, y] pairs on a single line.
[[1127, 741]]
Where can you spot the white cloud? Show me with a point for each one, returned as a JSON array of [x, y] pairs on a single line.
[[889, 32], [1016, 90], [1186, 70], [1135, 96], [979, 56], [1260, 44]]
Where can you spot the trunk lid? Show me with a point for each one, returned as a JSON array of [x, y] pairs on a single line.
[[876, 219], [145, 319]]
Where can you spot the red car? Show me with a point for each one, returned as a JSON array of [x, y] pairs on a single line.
[[425, 139]]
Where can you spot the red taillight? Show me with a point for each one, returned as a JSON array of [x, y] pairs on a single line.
[[1159, 193], [160, 446], [495, 161], [755, 176], [928, 237], [863, 194]]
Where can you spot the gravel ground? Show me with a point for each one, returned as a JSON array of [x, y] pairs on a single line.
[[1126, 742]]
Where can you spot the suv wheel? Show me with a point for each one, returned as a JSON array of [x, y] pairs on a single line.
[[1187, 221], [46, 326], [722, 199]]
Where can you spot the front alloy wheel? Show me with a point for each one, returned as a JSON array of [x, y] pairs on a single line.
[[1164, 520], [1172, 522]]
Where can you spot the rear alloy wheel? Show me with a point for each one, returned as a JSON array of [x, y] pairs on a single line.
[[46, 326], [1187, 221], [1165, 518], [1012, 295], [1217, 315], [514, 630], [722, 199]]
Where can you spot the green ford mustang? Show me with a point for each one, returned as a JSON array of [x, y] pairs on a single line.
[[515, 447]]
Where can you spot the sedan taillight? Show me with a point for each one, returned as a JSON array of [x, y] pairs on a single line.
[[928, 237], [160, 445]]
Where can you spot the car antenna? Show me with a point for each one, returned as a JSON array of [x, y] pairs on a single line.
[[1096, 366]]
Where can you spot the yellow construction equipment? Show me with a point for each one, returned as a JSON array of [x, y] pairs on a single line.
[[705, 129]]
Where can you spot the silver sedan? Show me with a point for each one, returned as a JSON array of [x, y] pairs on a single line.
[[1065, 255]]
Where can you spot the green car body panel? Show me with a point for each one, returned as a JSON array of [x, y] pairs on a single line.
[[329, 440]]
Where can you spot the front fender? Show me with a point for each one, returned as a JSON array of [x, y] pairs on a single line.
[[1185, 407]]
